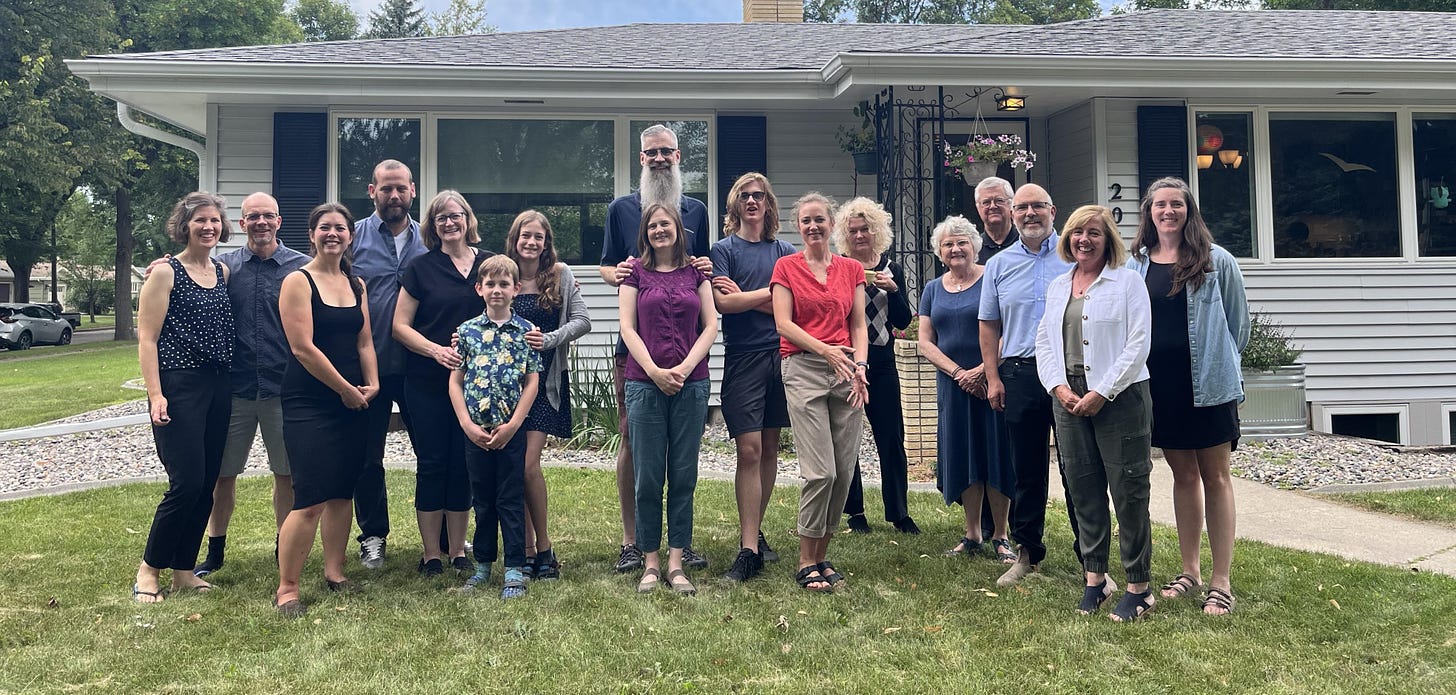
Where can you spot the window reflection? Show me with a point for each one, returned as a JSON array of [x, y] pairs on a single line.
[[363, 143], [1225, 179], [1435, 159], [1334, 185]]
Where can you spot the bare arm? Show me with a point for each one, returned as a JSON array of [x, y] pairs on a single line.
[[368, 359], [297, 315], [990, 337], [739, 301], [152, 302], [615, 274], [404, 332], [838, 357], [859, 337]]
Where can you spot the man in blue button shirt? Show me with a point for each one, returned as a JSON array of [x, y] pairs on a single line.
[[260, 353], [1013, 298], [661, 182], [384, 245]]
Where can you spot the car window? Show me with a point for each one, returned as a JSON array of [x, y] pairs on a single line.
[[6, 312]]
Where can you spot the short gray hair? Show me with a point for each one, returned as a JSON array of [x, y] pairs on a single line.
[[955, 225], [995, 181], [657, 129]]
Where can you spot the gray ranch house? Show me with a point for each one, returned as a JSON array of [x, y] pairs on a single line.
[[1320, 144]]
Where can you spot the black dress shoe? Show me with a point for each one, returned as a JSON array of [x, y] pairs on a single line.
[[858, 523], [907, 525]]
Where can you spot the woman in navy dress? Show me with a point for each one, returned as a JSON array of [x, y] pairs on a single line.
[[327, 387], [974, 454], [184, 346]]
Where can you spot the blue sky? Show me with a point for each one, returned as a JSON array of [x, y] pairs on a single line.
[[522, 15]]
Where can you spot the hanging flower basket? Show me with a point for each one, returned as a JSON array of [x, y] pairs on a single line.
[[974, 172], [983, 154]]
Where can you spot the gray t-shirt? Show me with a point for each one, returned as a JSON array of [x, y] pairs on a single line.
[[751, 265]]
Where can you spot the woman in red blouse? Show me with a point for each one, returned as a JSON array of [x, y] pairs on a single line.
[[819, 310]]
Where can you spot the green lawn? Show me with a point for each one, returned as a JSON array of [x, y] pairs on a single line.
[[84, 378], [1430, 504], [102, 321], [911, 620]]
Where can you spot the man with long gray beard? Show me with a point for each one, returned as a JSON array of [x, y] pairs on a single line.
[[1013, 298], [661, 182]]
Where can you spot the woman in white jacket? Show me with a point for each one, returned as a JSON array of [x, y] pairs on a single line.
[[1091, 351]]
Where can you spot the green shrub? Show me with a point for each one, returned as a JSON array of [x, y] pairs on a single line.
[[1270, 344], [594, 398]]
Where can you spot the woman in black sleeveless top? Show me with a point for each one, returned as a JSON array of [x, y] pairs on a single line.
[[184, 345], [327, 387]]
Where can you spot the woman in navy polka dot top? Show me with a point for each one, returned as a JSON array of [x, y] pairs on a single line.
[[185, 339]]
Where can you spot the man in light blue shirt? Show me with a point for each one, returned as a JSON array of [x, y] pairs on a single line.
[[384, 245], [1013, 298]]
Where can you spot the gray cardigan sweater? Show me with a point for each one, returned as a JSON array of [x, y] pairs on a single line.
[[575, 323]]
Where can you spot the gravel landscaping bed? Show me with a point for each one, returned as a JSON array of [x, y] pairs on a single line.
[[128, 452]]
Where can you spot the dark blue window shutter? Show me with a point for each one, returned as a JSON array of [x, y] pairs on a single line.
[[300, 171], [742, 147], [1162, 143]]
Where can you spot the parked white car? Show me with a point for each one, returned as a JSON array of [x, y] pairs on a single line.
[[23, 325]]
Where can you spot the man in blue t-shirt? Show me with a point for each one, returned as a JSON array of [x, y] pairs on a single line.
[[754, 407], [661, 182]]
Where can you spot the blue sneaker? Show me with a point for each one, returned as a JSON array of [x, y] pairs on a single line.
[[515, 583], [479, 579]]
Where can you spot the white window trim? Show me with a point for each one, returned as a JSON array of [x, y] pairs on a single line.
[[1446, 410], [1401, 410], [625, 141]]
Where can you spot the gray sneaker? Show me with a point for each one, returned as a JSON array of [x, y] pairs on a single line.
[[1018, 571], [371, 552], [694, 560]]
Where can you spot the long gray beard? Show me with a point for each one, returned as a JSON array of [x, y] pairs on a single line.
[[661, 187]]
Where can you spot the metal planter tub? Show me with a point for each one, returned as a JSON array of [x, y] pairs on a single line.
[[1274, 404]]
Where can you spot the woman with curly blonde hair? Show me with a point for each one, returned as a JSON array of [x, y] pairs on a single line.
[[862, 233]]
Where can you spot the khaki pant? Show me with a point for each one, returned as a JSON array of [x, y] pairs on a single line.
[[826, 436]]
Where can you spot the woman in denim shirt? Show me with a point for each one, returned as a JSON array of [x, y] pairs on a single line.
[[1200, 327]]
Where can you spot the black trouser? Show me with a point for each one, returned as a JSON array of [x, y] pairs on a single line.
[[371, 505], [441, 482], [200, 403], [498, 491], [1029, 424], [888, 425]]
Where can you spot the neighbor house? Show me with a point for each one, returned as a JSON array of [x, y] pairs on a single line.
[[1320, 145]]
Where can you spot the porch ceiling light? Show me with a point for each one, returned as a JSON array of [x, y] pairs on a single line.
[[1009, 102]]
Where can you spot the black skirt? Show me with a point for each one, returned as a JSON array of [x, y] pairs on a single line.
[[1177, 423]]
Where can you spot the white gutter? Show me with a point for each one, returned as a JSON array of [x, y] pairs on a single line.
[[123, 114]]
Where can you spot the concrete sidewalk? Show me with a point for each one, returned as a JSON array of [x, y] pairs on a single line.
[[1305, 522]]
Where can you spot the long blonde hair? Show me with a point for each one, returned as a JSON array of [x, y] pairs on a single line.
[[548, 275]]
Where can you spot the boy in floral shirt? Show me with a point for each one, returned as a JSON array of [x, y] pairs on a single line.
[[492, 392]]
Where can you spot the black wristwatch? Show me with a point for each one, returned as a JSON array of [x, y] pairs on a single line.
[[866, 365]]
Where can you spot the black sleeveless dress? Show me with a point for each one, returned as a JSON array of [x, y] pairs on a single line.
[[325, 440]]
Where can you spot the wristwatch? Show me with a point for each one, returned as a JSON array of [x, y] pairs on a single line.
[[866, 365]]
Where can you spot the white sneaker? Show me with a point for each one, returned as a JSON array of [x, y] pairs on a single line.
[[371, 552]]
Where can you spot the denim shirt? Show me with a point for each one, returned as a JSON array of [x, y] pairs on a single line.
[[1218, 328], [260, 349], [382, 270]]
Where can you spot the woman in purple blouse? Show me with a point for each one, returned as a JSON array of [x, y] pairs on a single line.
[[668, 324]]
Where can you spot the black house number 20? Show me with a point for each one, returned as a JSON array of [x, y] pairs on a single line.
[[1116, 189]]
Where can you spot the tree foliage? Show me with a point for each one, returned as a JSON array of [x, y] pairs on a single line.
[[397, 19], [325, 20], [461, 17]]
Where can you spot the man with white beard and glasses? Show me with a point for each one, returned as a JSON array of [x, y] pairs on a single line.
[[661, 182], [1013, 299]]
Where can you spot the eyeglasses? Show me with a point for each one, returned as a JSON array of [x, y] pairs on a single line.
[[993, 202], [264, 216], [663, 152], [1024, 207], [746, 196], [456, 217]]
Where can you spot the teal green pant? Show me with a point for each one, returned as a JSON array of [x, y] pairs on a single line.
[[1110, 452]]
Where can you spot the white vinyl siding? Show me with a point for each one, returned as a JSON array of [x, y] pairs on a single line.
[[244, 156], [1070, 158]]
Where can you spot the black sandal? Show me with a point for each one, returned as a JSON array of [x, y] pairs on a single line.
[[1094, 596], [831, 575], [810, 575], [1133, 607], [966, 547], [1004, 553], [546, 567], [1180, 586], [1218, 598]]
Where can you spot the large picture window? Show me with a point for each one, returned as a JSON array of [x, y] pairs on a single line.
[[1224, 145], [1334, 185], [1435, 160], [363, 143], [563, 168]]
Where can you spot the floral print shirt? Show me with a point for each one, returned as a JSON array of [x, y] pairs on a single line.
[[496, 362]]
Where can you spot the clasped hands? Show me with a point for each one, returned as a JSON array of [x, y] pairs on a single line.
[[1081, 406]]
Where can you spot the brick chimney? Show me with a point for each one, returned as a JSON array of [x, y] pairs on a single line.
[[773, 11]]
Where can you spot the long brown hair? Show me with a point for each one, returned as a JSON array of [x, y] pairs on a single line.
[[734, 216], [1195, 252], [346, 262], [679, 247], [548, 276]]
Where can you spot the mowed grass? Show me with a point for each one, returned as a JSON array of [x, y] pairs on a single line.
[[1429, 504], [910, 621], [89, 376]]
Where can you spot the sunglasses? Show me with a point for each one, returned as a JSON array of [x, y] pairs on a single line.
[[746, 196]]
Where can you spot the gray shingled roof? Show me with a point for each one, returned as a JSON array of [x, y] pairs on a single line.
[[1156, 33]]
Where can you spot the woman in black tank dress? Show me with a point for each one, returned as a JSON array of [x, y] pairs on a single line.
[[327, 387]]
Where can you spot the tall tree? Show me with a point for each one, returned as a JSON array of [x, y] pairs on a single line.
[[397, 19], [461, 17], [325, 20]]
